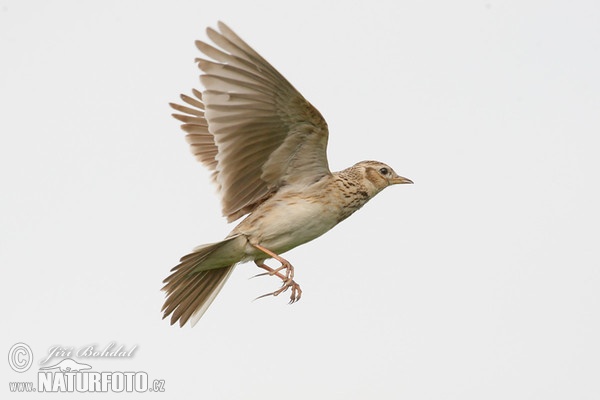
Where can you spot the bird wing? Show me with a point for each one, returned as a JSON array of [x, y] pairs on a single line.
[[251, 126]]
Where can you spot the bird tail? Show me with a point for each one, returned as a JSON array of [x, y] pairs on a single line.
[[199, 277]]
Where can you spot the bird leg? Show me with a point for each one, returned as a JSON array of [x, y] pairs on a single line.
[[288, 278], [285, 264]]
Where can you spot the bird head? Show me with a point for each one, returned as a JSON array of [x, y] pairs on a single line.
[[379, 175]]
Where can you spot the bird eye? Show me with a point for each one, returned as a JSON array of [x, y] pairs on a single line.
[[384, 171]]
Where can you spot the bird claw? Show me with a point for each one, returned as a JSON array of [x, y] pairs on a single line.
[[287, 279], [295, 295], [257, 275]]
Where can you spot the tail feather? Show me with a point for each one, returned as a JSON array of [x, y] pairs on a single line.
[[201, 305], [198, 278], [203, 290]]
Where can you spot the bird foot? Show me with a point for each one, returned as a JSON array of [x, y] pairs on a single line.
[[296, 293], [287, 279]]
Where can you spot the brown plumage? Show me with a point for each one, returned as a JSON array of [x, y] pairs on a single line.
[[266, 146]]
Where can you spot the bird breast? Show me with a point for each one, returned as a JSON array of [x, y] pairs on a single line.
[[289, 219]]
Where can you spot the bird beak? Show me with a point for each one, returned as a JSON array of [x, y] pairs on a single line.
[[400, 180]]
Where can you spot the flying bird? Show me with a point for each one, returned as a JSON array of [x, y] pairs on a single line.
[[266, 147]]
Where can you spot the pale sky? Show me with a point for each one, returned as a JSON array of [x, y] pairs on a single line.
[[478, 282]]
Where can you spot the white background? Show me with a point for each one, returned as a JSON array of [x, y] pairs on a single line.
[[478, 282]]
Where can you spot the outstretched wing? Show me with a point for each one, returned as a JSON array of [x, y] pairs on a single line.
[[250, 126]]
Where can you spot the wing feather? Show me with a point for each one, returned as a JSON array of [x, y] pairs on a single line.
[[250, 125]]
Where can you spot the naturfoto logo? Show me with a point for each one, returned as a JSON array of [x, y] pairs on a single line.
[[60, 372]]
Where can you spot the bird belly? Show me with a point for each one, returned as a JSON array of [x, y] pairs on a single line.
[[285, 225]]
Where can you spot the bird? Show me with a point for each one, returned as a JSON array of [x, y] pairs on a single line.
[[266, 147]]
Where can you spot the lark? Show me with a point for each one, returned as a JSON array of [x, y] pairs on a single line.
[[266, 147]]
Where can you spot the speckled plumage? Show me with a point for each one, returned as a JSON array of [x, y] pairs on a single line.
[[266, 146]]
